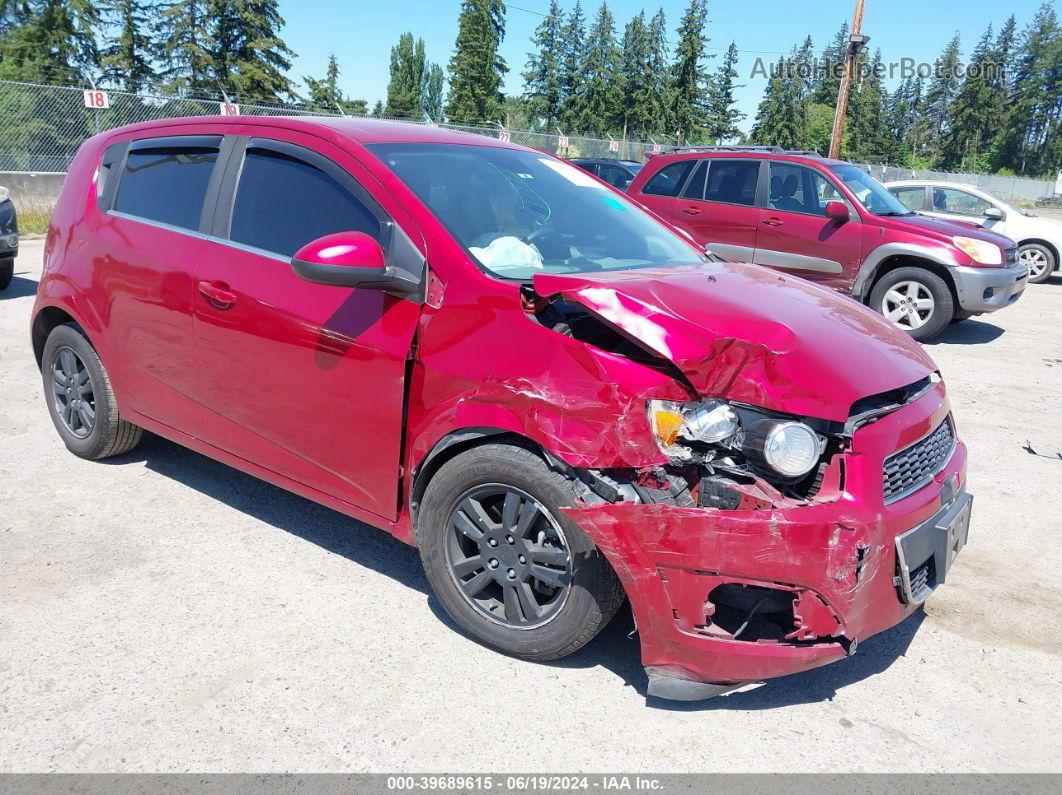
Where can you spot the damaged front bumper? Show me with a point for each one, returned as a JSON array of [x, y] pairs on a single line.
[[723, 597]]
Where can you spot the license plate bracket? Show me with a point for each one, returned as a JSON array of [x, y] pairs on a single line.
[[925, 553]]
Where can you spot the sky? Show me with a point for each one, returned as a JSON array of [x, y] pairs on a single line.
[[361, 33]]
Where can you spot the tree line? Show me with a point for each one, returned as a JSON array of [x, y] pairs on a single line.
[[586, 74]]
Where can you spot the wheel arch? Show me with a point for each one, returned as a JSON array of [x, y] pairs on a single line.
[[1039, 241], [897, 261], [44, 322]]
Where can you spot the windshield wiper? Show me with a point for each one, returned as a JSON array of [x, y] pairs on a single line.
[[894, 214]]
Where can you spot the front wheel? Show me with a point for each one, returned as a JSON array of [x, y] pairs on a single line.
[[505, 563], [915, 300], [1039, 259]]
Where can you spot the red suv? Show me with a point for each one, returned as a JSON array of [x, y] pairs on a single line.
[[831, 222], [498, 358]]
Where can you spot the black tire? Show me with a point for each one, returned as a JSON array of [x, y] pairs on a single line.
[[942, 311], [7, 272], [108, 434], [1048, 258], [594, 593]]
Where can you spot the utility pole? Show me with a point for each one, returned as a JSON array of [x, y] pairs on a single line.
[[857, 43]]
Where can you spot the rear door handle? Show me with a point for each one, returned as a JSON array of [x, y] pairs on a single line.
[[691, 210], [217, 294], [773, 221]]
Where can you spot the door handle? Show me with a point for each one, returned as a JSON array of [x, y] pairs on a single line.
[[691, 210], [773, 221], [217, 294]]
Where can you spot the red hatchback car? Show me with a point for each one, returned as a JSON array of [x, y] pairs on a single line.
[[500, 359], [831, 222]]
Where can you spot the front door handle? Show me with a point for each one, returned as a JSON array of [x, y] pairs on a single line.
[[217, 294], [773, 221], [691, 210]]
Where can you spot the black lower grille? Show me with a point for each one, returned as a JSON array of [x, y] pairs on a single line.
[[913, 467], [922, 578]]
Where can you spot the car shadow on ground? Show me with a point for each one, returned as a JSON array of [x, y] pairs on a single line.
[[967, 332], [615, 649], [20, 287]]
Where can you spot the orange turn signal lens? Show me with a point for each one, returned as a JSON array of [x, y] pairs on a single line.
[[667, 425]]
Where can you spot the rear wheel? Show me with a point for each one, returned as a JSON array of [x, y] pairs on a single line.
[[507, 565], [80, 399], [7, 272], [915, 300], [1039, 259]]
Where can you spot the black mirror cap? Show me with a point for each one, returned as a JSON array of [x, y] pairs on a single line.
[[387, 278]]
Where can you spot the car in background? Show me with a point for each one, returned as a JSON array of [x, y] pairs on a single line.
[[1039, 239], [831, 222], [558, 399], [8, 238], [617, 173]]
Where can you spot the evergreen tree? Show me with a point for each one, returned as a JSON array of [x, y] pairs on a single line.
[[573, 38], [637, 80], [657, 62], [433, 95], [126, 57], [723, 116], [250, 59], [378, 109], [50, 41], [543, 79], [409, 79], [827, 83], [972, 122], [599, 106], [476, 68], [325, 93], [186, 45], [1031, 140], [778, 121], [866, 131], [942, 91], [688, 78], [804, 67]]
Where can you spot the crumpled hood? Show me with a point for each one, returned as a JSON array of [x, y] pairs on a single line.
[[752, 335]]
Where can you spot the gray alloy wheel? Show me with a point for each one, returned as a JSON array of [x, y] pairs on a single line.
[[1039, 260], [73, 392], [908, 305]]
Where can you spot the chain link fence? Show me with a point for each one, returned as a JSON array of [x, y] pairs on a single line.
[[43, 126]]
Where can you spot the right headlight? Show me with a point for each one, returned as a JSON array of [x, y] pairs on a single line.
[[980, 251], [790, 448]]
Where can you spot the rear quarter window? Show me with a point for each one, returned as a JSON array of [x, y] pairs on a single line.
[[668, 180]]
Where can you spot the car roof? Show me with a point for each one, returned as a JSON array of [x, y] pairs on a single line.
[[754, 153], [607, 160], [360, 130], [933, 183]]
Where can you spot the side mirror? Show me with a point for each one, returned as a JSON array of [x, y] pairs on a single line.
[[343, 259], [995, 214], [838, 211]]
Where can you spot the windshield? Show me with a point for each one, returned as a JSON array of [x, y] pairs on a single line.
[[874, 196], [519, 213], [1007, 204]]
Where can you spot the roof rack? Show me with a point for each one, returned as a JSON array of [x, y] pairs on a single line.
[[774, 150]]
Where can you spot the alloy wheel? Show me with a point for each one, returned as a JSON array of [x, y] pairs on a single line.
[[1035, 260], [72, 391], [508, 556], [908, 304]]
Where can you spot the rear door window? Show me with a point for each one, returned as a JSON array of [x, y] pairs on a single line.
[[168, 182], [695, 187], [668, 180], [283, 203], [913, 198], [732, 181]]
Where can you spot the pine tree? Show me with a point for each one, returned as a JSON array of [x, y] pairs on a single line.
[[573, 37], [325, 94], [186, 45], [827, 84], [637, 80], [723, 116], [778, 120], [50, 41], [942, 91], [971, 117], [657, 61], [126, 58], [543, 80], [433, 95], [476, 68], [867, 135], [250, 59], [599, 106], [688, 78], [409, 79]]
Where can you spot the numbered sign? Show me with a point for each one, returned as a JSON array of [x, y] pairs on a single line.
[[613, 146], [562, 141], [229, 108], [657, 149], [97, 100], [504, 136]]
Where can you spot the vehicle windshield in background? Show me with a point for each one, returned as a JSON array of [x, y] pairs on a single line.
[[1008, 205], [874, 196], [519, 213]]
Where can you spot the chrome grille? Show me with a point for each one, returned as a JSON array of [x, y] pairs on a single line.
[[913, 467]]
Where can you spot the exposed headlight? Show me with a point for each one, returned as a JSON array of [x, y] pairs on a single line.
[[791, 449], [980, 251], [708, 421]]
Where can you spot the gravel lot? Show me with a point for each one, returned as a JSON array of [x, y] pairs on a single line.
[[163, 612]]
